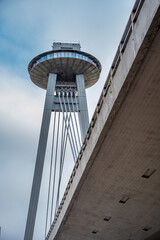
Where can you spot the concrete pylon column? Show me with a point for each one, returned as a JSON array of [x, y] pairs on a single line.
[[40, 157], [83, 113]]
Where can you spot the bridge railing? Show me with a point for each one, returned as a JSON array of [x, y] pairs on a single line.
[[117, 59]]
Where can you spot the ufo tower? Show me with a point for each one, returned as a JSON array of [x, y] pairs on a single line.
[[64, 72]]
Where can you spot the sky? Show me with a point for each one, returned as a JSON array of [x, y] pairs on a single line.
[[28, 28]]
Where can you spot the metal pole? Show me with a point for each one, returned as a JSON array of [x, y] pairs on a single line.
[[40, 158]]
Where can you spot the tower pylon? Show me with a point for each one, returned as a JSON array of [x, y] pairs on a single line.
[[64, 72]]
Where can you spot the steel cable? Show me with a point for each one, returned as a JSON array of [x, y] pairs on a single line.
[[72, 123], [79, 139], [55, 166], [67, 127], [60, 167], [75, 152], [50, 174]]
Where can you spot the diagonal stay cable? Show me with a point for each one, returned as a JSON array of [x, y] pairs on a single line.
[[75, 119], [67, 127], [62, 162], [60, 167], [65, 144], [62, 143], [63, 154], [55, 166], [63, 149], [72, 123], [50, 174], [75, 151]]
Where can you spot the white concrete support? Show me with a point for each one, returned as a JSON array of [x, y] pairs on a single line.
[[40, 157], [83, 113]]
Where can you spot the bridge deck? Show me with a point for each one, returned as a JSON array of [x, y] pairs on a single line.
[[111, 195]]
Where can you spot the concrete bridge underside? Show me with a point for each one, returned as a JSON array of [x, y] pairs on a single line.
[[115, 193]]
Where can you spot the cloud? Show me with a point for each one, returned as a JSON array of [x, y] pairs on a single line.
[[28, 28], [20, 114]]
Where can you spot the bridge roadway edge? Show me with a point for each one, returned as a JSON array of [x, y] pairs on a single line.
[[131, 61]]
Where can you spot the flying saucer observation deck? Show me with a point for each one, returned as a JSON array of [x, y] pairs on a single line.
[[66, 64]]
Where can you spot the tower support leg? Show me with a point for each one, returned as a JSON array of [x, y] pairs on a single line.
[[83, 114], [40, 157]]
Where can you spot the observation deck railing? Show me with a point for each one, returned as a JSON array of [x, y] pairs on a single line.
[[64, 55]]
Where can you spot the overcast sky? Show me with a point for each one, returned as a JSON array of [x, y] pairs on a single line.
[[28, 28]]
